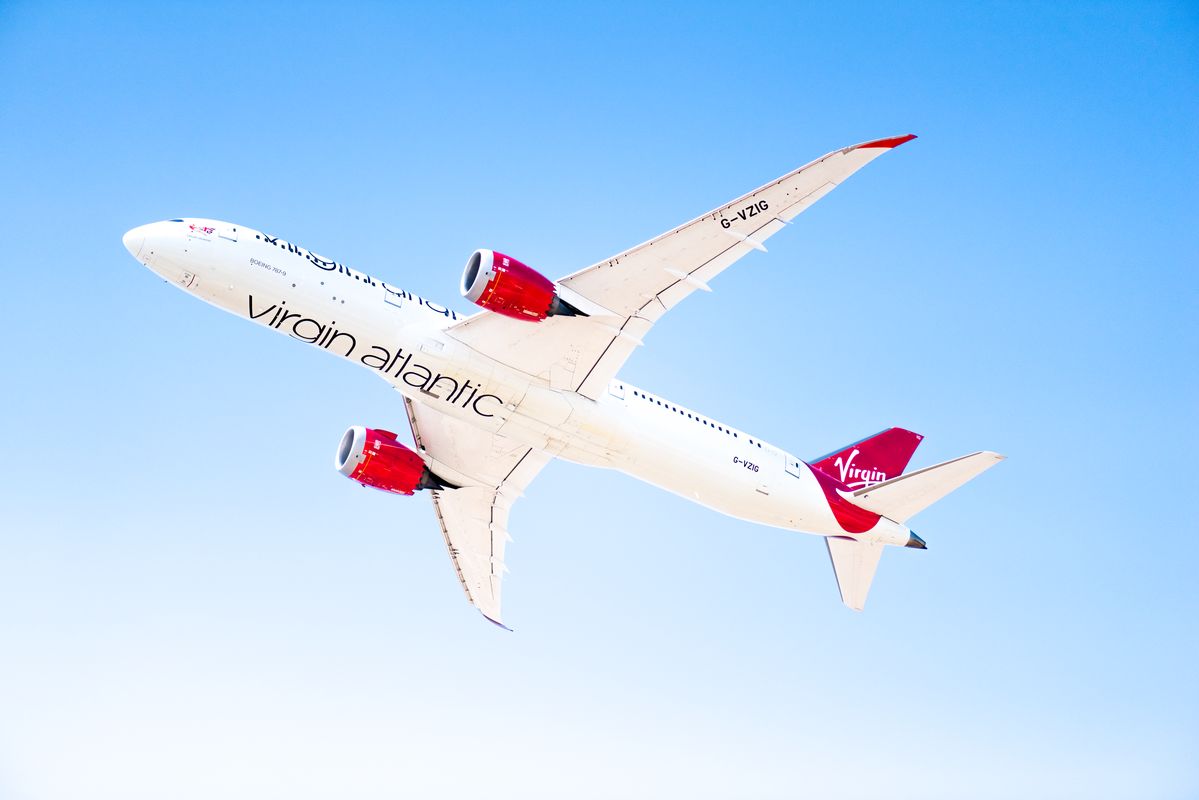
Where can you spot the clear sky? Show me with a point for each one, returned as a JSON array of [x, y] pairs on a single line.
[[193, 604]]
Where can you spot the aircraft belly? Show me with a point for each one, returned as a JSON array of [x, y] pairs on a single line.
[[400, 337]]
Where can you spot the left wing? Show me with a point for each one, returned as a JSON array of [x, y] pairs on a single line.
[[492, 472], [627, 293]]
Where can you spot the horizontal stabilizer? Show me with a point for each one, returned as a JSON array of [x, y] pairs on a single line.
[[854, 562], [907, 495]]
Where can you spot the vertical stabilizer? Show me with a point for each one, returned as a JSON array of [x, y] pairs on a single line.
[[872, 460]]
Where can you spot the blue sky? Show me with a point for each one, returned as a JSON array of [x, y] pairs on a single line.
[[194, 604]]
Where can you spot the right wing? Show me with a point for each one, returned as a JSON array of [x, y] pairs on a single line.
[[491, 472], [627, 293]]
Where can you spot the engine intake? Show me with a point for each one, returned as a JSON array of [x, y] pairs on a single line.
[[375, 458], [504, 285]]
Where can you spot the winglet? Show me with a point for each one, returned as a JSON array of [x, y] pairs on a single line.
[[894, 141], [496, 622]]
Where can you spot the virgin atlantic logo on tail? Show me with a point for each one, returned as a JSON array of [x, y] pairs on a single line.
[[864, 475]]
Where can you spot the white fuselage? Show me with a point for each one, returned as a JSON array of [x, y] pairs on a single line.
[[403, 339]]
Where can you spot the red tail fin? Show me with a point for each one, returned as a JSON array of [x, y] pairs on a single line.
[[875, 458]]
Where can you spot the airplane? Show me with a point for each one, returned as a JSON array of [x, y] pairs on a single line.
[[493, 397]]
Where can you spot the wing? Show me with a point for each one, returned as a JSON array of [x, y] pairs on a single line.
[[626, 294], [491, 472]]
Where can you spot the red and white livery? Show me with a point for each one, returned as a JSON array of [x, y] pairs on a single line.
[[494, 397]]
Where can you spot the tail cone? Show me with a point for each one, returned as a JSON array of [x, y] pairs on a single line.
[[916, 542]]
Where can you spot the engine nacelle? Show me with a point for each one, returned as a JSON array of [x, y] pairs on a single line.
[[375, 458], [504, 285]]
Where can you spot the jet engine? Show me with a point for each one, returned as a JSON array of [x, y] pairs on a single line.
[[375, 458], [502, 284]]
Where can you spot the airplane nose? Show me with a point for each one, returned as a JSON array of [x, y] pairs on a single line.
[[134, 239]]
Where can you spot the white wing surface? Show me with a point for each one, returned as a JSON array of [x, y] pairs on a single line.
[[492, 472], [627, 293]]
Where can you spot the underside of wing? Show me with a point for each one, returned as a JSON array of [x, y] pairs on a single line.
[[490, 473], [627, 293]]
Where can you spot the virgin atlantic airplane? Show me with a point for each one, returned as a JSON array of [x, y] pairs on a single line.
[[494, 397]]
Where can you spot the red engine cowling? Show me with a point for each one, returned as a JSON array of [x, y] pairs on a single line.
[[375, 458], [504, 285]]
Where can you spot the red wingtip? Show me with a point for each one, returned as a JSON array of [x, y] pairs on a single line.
[[894, 141]]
